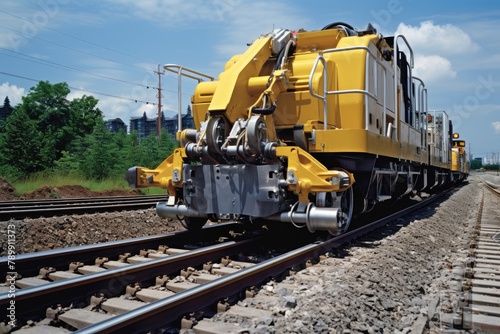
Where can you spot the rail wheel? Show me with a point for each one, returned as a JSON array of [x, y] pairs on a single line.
[[346, 203], [193, 223], [340, 200]]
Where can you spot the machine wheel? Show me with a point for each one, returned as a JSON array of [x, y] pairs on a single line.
[[193, 223], [346, 199], [217, 131], [256, 134], [340, 200]]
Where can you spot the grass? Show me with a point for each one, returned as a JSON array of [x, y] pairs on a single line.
[[40, 180]]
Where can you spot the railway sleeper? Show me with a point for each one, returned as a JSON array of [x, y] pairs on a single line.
[[206, 326], [81, 318]]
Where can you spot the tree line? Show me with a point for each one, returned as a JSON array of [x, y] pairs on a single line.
[[49, 133]]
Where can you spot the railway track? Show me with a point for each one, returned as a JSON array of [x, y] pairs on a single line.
[[58, 207], [173, 275], [482, 284]]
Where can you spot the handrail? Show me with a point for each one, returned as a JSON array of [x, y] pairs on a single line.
[[180, 70], [395, 68], [325, 102], [365, 92], [422, 112]]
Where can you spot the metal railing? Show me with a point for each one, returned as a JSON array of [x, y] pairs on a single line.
[[395, 69], [188, 73], [377, 64], [421, 112]]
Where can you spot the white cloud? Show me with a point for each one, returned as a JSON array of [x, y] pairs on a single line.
[[113, 107], [433, 68], [245, 28], [14, 93], [77, 94], [441, 39], [496, 126], [150, 110], [245, 20], [25, 22], [173, 12]]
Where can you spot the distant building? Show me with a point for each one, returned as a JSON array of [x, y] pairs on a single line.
[[143, 125], [6, 109], [146, 126], [116, 125], [187, 120]]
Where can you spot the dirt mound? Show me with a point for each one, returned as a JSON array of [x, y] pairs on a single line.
[[49, 192], [117, 192], [76, 191], [6, 191]]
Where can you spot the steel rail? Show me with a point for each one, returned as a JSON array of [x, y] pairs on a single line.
[[62, 201], [76, 208], [478, 284], [29, 264], [166, 311], [33, 301], [493, 188], [147, 317]]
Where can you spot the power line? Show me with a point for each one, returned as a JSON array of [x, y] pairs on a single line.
[[78, 38], [51, 63], [76, 50], [83, 90]]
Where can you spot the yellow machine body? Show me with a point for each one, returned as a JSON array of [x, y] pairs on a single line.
[[307, 127]]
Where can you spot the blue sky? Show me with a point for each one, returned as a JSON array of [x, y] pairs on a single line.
[[111, 48]]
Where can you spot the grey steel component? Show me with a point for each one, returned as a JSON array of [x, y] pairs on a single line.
[[216, 134], [177, 211], [131, 177], [324, 219], [256, 134], [193, 151], [280, 39], [191, 135], [251, 190]]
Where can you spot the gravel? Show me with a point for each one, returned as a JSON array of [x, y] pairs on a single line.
[[380, 285], [35, 235], [384, 284]]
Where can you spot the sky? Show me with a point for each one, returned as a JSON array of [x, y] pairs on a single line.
[[112, 49]]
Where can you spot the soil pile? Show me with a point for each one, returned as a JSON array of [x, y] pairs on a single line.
[[6, 191], [69, 191], [76, 191]]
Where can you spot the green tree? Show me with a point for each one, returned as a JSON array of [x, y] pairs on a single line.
[[68, 164], [133, 150], [154, 151], [84, 115], [24, 148], [149, 151], [476, 164], [99, 157], [46, 104], [128, 147], [167, 145], [56, 117]]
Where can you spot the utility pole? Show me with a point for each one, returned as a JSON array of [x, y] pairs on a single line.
[[159, 118]]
